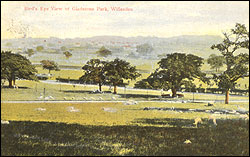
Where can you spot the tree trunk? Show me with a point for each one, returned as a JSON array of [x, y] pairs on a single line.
[[173, 92], [14, 81], [10, 83], [49, 71], [227, 97], [115, 90], [100, 87]]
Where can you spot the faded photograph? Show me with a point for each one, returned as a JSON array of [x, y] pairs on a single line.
[[119, 78]]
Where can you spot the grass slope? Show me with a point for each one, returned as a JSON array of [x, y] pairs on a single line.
[[230, 137]]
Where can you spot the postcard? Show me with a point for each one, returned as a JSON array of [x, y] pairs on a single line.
[[118, 78]]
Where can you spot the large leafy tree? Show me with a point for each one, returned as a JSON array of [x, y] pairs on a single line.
[[176, 70], [119, 70], [50, 65], [94, 72], [16, 66], [237, 64], [216, 62]]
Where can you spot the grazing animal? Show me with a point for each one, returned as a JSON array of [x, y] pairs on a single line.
[[84, 98], [130, 102], [108, 109], [245, 117], [15, 86], [73, 98], [187, 141], [241, 109], [100, 98], [209, 104], [214, 120], [5, 122], [64, 98], [197, 121], [113, 98], [51, 97], [91, 98], [41, 109], [72, 109]]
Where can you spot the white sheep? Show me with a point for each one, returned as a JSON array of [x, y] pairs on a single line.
[[245, 116], [5, 122], [113, 98], [109, 109], [196, 121], [214, 120], [84, 98], [72, 109], [130, 102], [51, 97], [41, 109], [100, 98], [241, 109], [91, 98], [187, 141]]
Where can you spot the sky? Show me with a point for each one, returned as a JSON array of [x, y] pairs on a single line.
[[159, 19]]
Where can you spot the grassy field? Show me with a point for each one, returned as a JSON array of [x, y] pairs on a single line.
[[31, 90], [21, 138], [116, 128], [110, 113]]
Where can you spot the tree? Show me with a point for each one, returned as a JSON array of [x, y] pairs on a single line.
[[144, 48], [178, 69], [67, 54], [63, 48], [94, 72], [103, 52], [237, 64], [30, 52], [118, 70], [50, 65], [216, 62], [39, 48], [16, 66]]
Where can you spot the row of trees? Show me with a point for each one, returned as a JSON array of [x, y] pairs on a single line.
[[179, 69], [108, 72]]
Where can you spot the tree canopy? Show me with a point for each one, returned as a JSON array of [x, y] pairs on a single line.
[[50, 65], [16, 66], [216, 62], [118, 70], [39, 48], [237, 64], [103, 52], [67, 54], [94, 72], [176, 70], [144, 48]]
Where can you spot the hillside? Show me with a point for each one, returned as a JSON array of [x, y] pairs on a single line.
[[83, 49]]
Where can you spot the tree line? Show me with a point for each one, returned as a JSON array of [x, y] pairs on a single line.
[[175, 70]]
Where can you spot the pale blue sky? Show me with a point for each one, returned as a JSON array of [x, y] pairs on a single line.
[[161, 19]]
